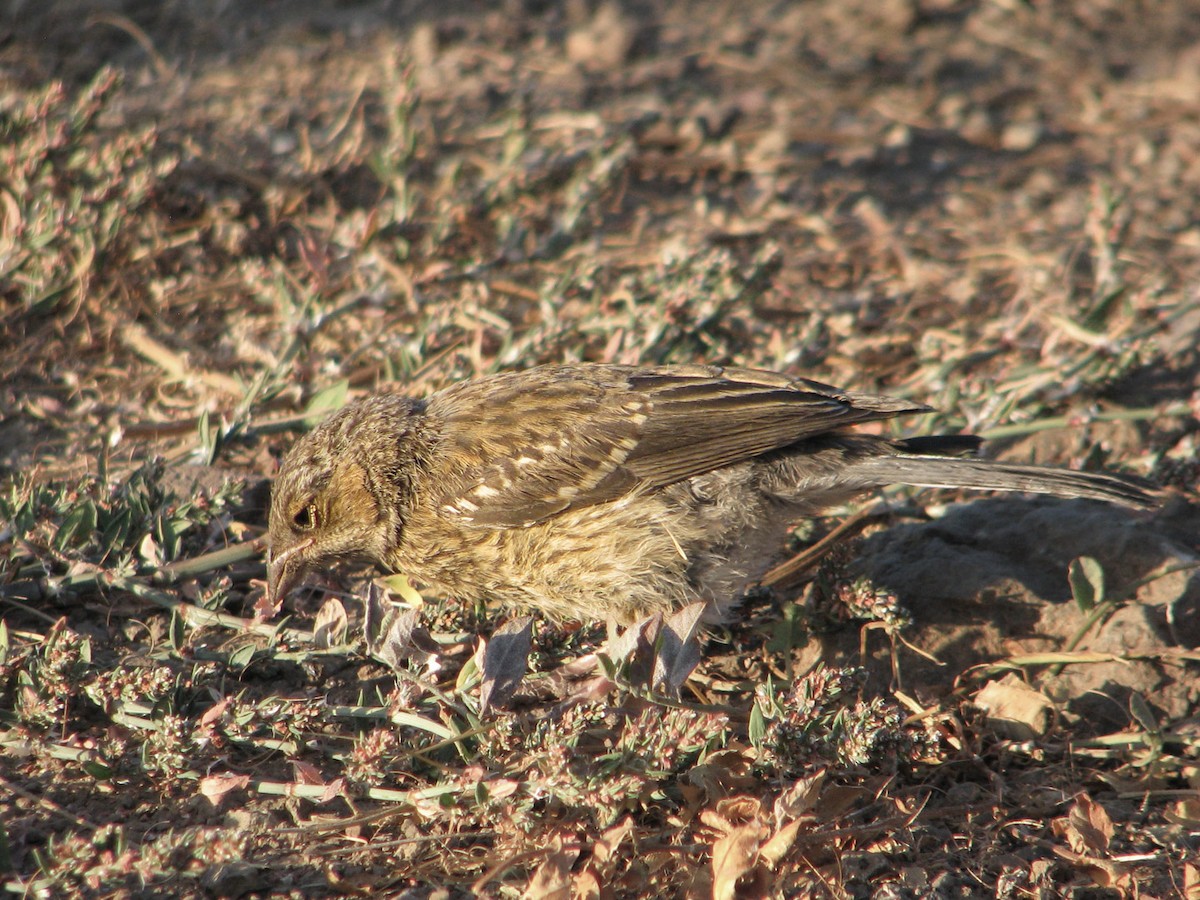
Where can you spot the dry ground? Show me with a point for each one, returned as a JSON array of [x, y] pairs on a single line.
[[217, 223]]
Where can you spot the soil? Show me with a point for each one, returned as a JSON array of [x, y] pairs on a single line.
[[219, 220]]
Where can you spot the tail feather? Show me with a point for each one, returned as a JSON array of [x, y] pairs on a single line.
[[922, 470]]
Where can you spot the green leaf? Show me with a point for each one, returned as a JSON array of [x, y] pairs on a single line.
[[116, 531], [212, 438], [98, 770], [468, 676], [757, 726], [242, 656], [326, 401], [78, 526], [176, 631], [1140, 710], [168, 541], [1086, 577], [412, 720], [400, 586]]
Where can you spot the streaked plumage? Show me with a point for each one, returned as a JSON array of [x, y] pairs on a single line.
[[593, 491]]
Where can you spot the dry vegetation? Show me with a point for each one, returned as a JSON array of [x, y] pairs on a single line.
[[215, 224]]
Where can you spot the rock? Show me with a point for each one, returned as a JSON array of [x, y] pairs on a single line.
[[988, 581]]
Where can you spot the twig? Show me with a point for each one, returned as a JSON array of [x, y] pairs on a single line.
[[789, 573], [197, 616], [318, 791], [217, 559], [175, 365]]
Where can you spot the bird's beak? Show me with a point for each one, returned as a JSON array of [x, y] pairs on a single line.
[[284, 571]]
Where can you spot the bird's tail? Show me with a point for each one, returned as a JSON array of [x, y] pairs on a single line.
[[939, 462]]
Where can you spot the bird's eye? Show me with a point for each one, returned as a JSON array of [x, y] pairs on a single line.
[[306, 517]]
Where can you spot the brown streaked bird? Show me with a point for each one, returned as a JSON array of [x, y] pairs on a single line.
[[592, 492]]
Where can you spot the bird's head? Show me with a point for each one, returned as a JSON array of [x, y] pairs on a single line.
[[335, 498]]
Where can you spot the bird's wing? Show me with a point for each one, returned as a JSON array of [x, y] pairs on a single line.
[[706, 417], [532, 444]]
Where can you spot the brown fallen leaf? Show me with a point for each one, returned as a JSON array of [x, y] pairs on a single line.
[[776, 848], [394, 633], [1087, 827], [330, 625], [504, 662], [1191, 881], [734, 854], [1014, 709], [552, 880], [800, 798], [633, 649], [215, 788], [678, 649]]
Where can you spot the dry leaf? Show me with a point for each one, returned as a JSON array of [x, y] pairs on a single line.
[[1014, 709], [733, 855], [148, 550], [264, 609], [678, 649], [214, 788], [601, 866], [330, 625], [603, 43], [501, 788], [552, 880], [1087, 827], [307, 773], [724, 772], [606, 847], [214, 712], [335, 788], [780, 843], [1186, 813], [634, 648], [586, 885], [800, 798], [1191, 881], [505, 662], [1102, 871], [393, 633], [739, 810]]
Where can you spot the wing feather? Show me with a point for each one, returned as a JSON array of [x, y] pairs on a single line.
[[529, 445]]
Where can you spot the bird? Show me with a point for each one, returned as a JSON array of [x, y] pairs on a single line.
[[598, 492]]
